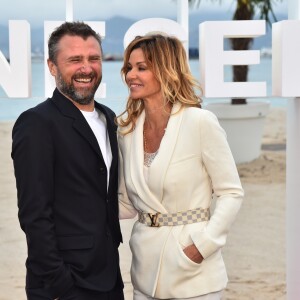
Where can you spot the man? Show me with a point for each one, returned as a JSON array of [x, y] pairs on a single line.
[[65, 159]]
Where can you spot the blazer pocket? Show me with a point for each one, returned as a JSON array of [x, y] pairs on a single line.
[[75, 242]]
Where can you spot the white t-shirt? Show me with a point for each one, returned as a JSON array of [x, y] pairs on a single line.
[[97, 122]]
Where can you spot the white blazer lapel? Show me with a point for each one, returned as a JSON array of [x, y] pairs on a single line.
[[137, 168], [161, 162]]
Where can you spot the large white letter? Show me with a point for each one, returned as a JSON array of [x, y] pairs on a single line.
[[156, 25], [49, 26], [213, 58], [286, 58], [286, 78], [15, 77]]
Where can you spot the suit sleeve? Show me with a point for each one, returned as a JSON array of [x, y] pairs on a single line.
[[34, 163], [221, 168], [126, 208]]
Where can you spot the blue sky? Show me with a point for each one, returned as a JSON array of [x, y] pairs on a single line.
[[36, 11]]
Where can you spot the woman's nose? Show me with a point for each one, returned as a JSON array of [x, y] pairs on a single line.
[[130, 75]]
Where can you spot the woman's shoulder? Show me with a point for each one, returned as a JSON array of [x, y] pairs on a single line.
[[199, 113]]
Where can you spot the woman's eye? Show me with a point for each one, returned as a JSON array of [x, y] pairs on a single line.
[[142, 68]]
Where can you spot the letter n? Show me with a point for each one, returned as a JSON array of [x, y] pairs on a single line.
[[15, 76]]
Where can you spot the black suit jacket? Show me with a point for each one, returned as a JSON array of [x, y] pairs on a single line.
[[69, 218]]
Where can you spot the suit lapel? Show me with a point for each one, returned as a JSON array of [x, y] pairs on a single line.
[[112, 134], [68, 109], [137, 168], [160, 164], [85, 131], [152, 191]]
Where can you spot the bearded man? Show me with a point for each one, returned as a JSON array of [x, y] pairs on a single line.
[[66, 166]]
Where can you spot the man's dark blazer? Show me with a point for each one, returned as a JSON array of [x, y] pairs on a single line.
[[69, 217]]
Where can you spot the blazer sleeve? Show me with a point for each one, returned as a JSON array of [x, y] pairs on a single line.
[[126, 208], [33, 157], [221, 168]]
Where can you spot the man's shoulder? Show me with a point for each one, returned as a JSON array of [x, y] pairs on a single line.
[[39, 108], [36, 114], [44, 106]]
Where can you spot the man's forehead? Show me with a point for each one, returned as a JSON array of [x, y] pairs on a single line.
[[78, 39], [76, 44]]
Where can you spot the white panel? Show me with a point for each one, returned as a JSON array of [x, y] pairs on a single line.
[[286, 59], [15, 77]]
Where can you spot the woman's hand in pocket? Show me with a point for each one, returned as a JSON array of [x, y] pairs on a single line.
[[193, 253]]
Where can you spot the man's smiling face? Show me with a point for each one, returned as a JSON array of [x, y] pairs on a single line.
[[78, 68]]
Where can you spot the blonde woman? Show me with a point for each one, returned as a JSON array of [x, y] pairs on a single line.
[[174, 158]]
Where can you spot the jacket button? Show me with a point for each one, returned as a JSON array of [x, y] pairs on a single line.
[[102, 170]]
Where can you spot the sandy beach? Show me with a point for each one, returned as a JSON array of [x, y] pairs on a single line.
[[255, 250]]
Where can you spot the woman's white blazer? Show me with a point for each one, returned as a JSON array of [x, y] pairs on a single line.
[[194, 162]]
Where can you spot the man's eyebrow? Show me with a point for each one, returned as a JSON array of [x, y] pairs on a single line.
[[95, 56], [81, 57], [74, 57]]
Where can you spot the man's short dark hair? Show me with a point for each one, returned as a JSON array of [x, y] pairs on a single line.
[[73, 29]]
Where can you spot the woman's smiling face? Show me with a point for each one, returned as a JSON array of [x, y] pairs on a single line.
[[140, 79]]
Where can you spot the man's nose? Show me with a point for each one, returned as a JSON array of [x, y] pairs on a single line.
[[86, 66]]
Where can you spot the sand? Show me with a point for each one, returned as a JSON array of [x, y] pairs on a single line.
[[255, 250]]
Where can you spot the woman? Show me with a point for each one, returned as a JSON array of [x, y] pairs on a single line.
[[174, 157]]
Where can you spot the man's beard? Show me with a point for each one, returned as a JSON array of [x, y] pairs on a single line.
[[83, 96]]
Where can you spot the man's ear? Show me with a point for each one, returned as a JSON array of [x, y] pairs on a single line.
[[52, 67]]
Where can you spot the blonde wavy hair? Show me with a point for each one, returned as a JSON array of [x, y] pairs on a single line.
[[165, 56]]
